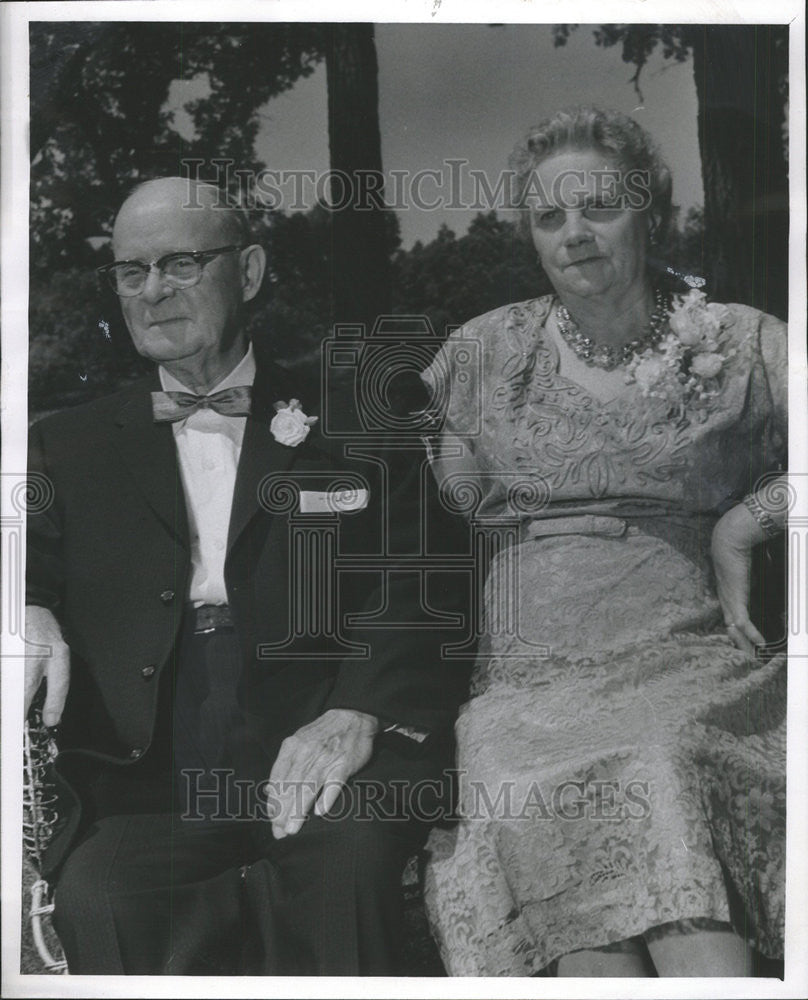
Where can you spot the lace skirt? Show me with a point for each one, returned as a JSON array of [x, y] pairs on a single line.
[[621, 765]]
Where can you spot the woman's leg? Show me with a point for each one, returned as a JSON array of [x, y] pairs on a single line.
[[602, 965], [623, 958], [718, 952]]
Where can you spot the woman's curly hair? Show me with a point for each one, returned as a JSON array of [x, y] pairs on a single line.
[[605, 131]]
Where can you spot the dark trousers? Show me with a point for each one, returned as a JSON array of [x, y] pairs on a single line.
[[146, 895], [148, 892]]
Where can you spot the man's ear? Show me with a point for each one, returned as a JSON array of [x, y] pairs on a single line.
[[253, 263]]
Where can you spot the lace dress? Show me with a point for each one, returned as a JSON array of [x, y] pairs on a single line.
[[621, 763]]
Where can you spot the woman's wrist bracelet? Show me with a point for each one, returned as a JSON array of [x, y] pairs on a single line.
[[762, 516]]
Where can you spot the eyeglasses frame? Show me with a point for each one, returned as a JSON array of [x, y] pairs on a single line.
[[203, 257]]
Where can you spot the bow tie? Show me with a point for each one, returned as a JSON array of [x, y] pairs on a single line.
[[169, 407]]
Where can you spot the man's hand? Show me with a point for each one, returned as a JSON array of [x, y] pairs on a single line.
[[319, 758], [42, 628], [734, 537]]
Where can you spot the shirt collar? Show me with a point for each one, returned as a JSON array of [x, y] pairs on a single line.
[[242, 374]]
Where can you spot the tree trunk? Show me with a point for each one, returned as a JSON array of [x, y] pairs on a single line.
[[738, 71], [360, 270]]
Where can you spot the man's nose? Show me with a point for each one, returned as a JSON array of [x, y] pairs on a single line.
[[156, 287]]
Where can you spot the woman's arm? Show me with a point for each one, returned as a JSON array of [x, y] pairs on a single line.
[[760, 516]]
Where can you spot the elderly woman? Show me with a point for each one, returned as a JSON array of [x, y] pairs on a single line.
[[621, 760]]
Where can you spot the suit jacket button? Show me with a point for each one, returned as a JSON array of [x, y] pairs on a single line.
[[148, 671], [167, 596], [135, 753]]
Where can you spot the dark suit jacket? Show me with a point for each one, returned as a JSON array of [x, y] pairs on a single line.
[[111, 558]]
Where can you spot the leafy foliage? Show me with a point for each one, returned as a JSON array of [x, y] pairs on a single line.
[[638, 41], [79, 348], [100, 122], [450, 280]]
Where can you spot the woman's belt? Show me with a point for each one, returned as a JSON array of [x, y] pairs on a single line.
[[690, 534], [576, 524]]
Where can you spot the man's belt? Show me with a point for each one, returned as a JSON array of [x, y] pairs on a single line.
[[209, 617]]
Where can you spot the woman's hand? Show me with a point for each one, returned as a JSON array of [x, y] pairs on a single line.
[[734, 537]]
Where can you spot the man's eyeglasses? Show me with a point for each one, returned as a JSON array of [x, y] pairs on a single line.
[[182, 269]]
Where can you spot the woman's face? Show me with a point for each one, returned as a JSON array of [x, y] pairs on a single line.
[[589, 224]]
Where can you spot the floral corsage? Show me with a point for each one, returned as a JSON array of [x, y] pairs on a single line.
[[685, 367], [290, 425]]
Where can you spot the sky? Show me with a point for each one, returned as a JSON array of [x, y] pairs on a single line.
[[471, 91]]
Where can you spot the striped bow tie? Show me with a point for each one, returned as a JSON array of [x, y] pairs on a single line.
[[169, 407]]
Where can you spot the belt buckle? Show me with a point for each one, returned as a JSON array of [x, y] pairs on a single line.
[[210, 617]]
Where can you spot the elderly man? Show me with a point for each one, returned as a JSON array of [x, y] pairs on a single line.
[[180, 673]]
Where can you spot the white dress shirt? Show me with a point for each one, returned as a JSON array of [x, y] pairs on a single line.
[[208, 450]]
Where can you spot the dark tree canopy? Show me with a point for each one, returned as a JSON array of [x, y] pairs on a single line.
[[99, 121]]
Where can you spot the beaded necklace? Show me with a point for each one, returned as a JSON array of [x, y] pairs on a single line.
[[604, 355]]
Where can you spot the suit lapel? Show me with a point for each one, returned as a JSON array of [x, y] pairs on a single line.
[[149, 453], [261, 454]]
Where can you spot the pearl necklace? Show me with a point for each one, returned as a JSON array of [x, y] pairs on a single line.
[[604, 355]]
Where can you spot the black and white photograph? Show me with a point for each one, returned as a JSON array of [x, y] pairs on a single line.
[[404, 500]]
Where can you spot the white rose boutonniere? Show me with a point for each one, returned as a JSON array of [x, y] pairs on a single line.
[[290, 425], [685, 368]]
